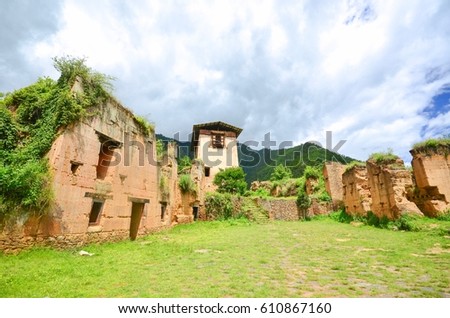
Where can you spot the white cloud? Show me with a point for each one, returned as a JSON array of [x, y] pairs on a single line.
[[365, 70]]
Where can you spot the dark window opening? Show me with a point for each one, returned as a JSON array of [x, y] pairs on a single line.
[[207, 171], [74, 167], [96, 211], [163, 211], [218, 140], [104, 158], [195, 212]]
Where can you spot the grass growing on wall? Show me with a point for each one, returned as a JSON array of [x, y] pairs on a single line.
[[434, 145]]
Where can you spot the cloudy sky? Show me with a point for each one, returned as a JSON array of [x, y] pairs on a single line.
[[375, 73]]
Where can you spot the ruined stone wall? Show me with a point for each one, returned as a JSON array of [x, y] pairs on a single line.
[[432, 178], [130, 178], [280, 209], [168, 185], [389, 186], [332, 173], [287, 210], [356, 192]]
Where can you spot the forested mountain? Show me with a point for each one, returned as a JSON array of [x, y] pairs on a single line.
[[259, 164]]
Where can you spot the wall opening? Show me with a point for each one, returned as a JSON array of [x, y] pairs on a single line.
[[106, 153], [195, 212], [207, 171], [104, 160], [163, 211], [137, 209], [96, 211], [74, 165]]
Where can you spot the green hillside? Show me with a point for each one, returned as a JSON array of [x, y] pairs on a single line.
[[259, 164]]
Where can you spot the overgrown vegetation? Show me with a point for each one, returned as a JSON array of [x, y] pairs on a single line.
[[184, 164], [406, 222], [303, 202], [160, 149], [434, 145], [186, 184], [231, 180], [219, 206], [164, 187], [146, 127], [386, 157], [30, 119], [353, 164]]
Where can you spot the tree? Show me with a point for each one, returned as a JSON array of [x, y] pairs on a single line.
[[231, 180], [303, 202], [280, 173]]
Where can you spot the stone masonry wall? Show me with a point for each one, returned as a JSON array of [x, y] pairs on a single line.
[[432, 178], [280, 209], [332, 172], [356, 192], [389, 185]]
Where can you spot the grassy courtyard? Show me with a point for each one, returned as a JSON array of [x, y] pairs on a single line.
[[320, 258]]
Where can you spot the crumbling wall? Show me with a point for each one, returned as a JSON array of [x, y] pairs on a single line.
[[332, 173], [168, 185], [356, 192], [432, 179], [389, 185], [126, 176]]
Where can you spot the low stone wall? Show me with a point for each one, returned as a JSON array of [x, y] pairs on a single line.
[[287, 210], [280, 209], [14, 241]]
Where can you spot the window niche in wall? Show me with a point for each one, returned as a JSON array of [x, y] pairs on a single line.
[[106, 154]]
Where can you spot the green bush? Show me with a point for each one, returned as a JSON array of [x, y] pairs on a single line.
[[404, 223], [407, 223], [186, 184], [303, 202], [231, 180], [262, 193], [312, 172], [341, 216], [219, 206], [281, 173]]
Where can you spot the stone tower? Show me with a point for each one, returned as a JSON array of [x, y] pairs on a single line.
[[215, 145]]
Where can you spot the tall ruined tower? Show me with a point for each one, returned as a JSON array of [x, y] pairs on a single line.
[[215, 144]]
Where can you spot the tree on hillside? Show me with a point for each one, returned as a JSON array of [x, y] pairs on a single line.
[[280, 173], [231, 180]]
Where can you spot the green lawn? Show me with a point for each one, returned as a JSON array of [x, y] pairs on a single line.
[[320, 258]]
